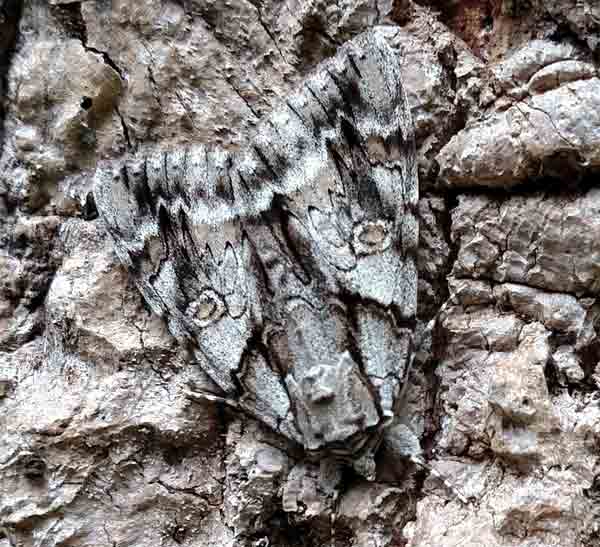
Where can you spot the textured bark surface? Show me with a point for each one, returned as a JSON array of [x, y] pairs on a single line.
[[99, 444]]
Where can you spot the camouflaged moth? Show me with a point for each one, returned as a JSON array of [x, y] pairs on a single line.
[[289, 268]]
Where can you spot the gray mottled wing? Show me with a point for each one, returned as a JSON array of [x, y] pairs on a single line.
[[280, 265], [169, 214]]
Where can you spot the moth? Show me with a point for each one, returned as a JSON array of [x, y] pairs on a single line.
[[289, 267]]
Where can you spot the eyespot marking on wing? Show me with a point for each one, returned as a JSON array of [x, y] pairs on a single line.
[[206, 309], [372, 237]]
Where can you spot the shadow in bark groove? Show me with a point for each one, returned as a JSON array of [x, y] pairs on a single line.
[[10, 14]]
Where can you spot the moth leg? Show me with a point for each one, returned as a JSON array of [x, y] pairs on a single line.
[[398, 437], [8, 535], [330, 477], [365, 465], [309, 483], [404, 443], [333, 516], [200, 396], [420, 339]]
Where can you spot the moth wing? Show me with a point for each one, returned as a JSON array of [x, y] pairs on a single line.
[[168, 243], [319, 204]]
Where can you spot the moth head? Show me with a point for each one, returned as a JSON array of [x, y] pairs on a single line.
[[334, 408]]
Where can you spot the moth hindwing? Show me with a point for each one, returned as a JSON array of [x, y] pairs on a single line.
[[289, 268]]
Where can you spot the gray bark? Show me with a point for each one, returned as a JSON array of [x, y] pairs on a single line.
[[100, 443]]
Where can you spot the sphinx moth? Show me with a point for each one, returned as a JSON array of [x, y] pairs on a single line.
[[289, 267]]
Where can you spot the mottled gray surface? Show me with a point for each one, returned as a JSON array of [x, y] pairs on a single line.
[[289, 268], [99, 444]]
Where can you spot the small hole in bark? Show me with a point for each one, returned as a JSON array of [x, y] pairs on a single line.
[[173, 456], [86, 103], [34, 468], [526, 401], [90, 212]]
